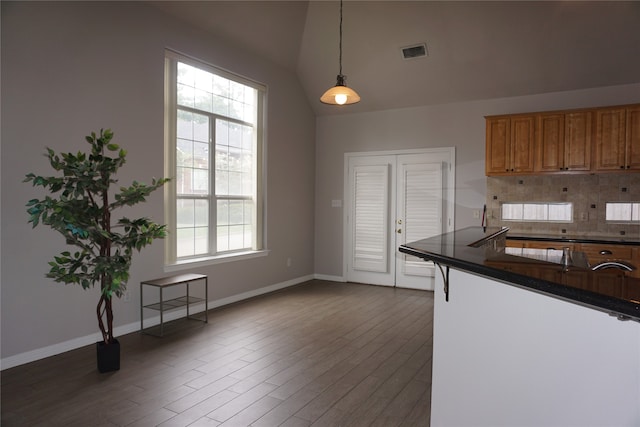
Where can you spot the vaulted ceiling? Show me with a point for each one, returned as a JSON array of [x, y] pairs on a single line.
[[476, 49]]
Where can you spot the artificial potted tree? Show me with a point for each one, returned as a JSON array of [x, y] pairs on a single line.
[[79, 207]]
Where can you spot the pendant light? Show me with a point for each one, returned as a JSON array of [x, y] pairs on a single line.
[[340, 94]]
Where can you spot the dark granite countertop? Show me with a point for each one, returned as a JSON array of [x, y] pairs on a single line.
[[474, 250]]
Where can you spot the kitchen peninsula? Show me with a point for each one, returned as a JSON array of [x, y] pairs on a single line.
[[520, 341]]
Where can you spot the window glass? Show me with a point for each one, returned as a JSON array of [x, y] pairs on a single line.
[[623, 212], [214, 151], [537, 211]]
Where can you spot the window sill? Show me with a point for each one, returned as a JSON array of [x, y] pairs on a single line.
[[621, 222], [204, 261]]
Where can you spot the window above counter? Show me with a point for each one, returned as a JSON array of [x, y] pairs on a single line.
[[537, 211], [623, 212], [589, 196]]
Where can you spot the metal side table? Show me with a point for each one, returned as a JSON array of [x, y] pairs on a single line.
[[174, 303]]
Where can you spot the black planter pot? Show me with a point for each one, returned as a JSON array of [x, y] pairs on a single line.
[[108, 356]]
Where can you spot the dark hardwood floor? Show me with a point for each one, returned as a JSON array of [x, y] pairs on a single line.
[[321, 353]]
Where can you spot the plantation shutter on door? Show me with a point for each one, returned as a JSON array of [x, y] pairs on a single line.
[[420, 209], [393, 198], [370, 218]]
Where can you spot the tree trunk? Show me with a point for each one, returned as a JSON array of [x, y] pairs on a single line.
[[104, 305], [104, 309]]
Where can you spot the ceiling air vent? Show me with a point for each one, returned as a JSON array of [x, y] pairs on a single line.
[[414, 51]]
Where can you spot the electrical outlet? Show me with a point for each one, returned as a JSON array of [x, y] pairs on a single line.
[[476, 214], [126, 296], [288, 262]]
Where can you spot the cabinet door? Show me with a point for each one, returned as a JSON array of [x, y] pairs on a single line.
[[631, 290], [510, 243], [605, 252], [633, 138], [610, 282], [601, 252], [498, 146], [550, 143], [610, 139], [522, 143], [577, 141]]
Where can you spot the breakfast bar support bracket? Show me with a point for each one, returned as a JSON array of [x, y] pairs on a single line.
[[445, 278]]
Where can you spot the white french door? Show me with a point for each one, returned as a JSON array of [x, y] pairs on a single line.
[[392, 199]]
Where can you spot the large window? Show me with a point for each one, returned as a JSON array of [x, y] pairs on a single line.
[[214, 151]]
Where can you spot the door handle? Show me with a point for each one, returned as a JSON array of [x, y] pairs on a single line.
[[399, 231]]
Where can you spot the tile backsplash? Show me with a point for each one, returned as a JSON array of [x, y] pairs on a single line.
[[588, 193]]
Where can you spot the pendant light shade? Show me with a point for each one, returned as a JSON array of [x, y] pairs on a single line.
[[340, 94]]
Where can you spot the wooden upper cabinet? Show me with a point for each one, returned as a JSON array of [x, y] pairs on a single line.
[[563, 142], [577, 141], [633, 138], [617, 136], [522, 143], [498, 146], [550, 143], [610, 144], [510, 145], [590, 140]]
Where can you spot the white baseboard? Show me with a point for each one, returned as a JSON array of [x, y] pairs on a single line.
[[329, 278], [52, 350]]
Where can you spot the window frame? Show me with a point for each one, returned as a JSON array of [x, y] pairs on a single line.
[[172, 262], [634, 213], [541, 207]]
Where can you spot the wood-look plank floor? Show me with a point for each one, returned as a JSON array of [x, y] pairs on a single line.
[[318, 354]]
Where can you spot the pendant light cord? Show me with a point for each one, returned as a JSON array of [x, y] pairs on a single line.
[[340, 94], [340, 58]]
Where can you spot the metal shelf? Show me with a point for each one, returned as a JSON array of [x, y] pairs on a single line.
[[174, 303]]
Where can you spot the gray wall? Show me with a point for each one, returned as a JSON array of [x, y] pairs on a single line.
[[72, 68], [459, 125]]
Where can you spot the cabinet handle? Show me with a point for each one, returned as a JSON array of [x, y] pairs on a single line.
[[621, 167], [605, 252]]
